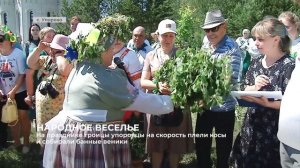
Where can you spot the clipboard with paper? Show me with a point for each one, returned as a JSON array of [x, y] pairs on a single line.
[[271, 95]]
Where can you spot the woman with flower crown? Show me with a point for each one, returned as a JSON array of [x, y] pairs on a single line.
[[12, 85], [89, 131]]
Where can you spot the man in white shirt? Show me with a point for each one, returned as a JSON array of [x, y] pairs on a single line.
[[130, 60], [139, 44]]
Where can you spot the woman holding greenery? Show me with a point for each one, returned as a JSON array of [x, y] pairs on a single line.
[[157, 146]]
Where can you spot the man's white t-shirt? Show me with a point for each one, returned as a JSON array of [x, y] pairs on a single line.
[[131, 63]]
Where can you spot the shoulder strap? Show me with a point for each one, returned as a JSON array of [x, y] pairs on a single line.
[[173, 55], [49, 62]]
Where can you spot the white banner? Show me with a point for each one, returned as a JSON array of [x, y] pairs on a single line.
[[49, 19]]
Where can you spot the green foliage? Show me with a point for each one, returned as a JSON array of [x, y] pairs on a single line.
[[246, 14], [146, 13], [195, 77], [241, 14], [137, 145], [136, 142], [86, 51], [10, 158], [116, 26], [8, 34], [14, 158], [88, 11], [187, 24]]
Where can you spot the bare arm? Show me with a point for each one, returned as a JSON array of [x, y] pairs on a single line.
[[29, 86], [146, 83], [34, 56], [29, 82], [260, 81]]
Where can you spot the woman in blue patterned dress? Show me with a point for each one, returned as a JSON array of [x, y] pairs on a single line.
[[257, 144]]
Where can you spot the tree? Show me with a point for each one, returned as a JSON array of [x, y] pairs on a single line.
[[109, 7], [147, 13], [88, 11], [187, 26], [241, 14], [248, 12]]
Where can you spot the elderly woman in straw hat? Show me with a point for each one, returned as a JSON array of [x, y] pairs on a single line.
[[89, 131], [53, 74]]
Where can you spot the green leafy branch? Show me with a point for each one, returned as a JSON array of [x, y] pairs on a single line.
[[116, 25], [195, 77]]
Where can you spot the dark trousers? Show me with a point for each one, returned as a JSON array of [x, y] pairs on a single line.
[[3, 130], [223, 122]]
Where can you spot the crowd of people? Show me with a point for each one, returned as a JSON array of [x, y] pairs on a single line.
[[52, 86]]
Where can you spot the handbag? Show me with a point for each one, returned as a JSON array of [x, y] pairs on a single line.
[[10, 112], [173, 119]]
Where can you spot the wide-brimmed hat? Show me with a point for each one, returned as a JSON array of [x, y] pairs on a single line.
[[59, 42], [213, 19], [166, 26]]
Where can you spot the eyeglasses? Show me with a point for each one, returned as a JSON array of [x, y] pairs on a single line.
[[214, 29]]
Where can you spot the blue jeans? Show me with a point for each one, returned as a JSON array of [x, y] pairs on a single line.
[[289, 157]]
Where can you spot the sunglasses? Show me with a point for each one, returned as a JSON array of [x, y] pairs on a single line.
[[214, 29]]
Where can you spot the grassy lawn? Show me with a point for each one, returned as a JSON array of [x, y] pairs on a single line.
[[15, 159]]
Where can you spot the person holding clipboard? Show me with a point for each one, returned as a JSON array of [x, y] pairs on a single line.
[[257, 144]]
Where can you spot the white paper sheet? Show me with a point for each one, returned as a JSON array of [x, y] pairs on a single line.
[[268, 94]]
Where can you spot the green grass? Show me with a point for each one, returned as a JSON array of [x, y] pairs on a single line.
[[15, 159]]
